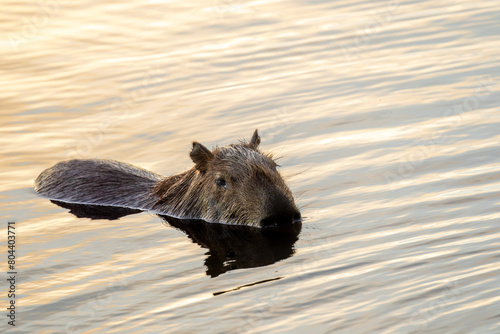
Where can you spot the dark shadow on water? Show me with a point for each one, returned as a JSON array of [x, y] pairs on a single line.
[[96, 211], [233, 247], [229, 246]]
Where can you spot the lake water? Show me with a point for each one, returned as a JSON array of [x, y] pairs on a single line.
[[386, 116]]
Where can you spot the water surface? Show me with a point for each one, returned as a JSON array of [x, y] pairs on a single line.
[[385, 115]]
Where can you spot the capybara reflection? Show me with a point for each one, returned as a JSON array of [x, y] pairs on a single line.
[[234, 184]]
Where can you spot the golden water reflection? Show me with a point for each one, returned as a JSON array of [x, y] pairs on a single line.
[[385, 115]]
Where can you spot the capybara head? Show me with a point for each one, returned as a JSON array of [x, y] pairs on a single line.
[[235, 184]]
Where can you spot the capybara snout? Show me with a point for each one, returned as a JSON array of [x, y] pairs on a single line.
[[281, 210]]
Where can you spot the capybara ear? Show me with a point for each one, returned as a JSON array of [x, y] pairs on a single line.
[[200, 156], [255, 141]]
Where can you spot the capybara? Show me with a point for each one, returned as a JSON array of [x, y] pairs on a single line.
[[234, 184]]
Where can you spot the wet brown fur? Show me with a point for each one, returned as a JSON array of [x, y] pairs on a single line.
[[235, 184]]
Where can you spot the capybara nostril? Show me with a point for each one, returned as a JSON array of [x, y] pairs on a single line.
[[280, 218]]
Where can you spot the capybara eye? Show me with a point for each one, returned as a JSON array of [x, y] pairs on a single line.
[[221, 182]]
